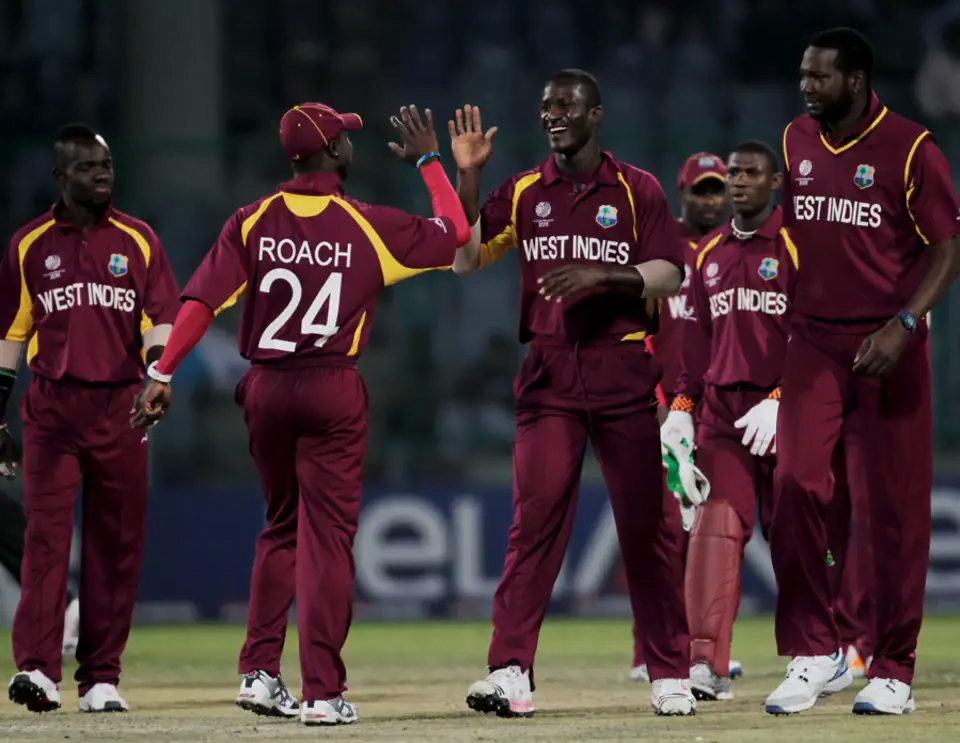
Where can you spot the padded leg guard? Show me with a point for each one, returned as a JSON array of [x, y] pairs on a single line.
[[712, 583]]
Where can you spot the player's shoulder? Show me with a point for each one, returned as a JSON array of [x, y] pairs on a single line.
[[131, 224], [900, 127], [516, 184], [33, 229], [641, 182], [709, 242], [802, 127]]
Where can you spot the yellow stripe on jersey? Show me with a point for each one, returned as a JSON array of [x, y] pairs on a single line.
[[707, 248], [786, 157], [652, 306], [791, 248], [33, 347], [909, 186], [393, 271], [495, 248], [633, 208], [839, 150], [138, 238], [22, 323], [245, 228], [355, 346], [692, 244]]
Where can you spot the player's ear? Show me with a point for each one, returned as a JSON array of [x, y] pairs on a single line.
[[596, 114], [857, 81], [776, 181]]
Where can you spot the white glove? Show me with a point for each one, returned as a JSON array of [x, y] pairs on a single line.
[[686, 481], [760, 423], [677, 428]]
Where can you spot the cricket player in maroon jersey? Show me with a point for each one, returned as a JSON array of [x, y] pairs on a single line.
[[597, 247], [873, 212], [311, 262], [732, 361], [702, 196], [91, 294]]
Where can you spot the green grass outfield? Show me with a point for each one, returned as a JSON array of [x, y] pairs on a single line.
[[409, 682]]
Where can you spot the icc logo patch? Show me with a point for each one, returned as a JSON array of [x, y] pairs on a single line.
[[607, 216], [769, 268], [805, 167], [863, 178], [543, 209], [118, 265]]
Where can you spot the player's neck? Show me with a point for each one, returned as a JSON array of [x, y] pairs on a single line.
[[691, 227], [584, 161], [752, 222], [79, 215]]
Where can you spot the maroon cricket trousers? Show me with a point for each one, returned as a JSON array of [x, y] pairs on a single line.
[[308, 435], [885, 429], [566, 396], [79, 435]]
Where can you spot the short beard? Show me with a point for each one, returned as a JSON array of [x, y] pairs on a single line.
[[838, 110]]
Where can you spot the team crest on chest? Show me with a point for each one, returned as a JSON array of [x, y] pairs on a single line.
[[118, 265], [769, 268], [864, 176], [607, 216]]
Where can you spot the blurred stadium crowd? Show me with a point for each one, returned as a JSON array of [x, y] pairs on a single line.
[[677, 77]]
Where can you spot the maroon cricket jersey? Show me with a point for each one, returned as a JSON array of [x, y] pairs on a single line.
[[861, 211], [619, 215], [84, 298], [741, 292], [311, 263], [674, 312]]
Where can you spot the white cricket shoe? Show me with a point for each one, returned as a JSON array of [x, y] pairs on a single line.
[[71, 631], [34, 691], [673, 698], [640, 674], [330, 712], [266, 695], [808, 678], [103, 698], [884, 697], [505, 691], [708, 686]]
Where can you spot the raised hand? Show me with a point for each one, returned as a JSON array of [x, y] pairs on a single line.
[[470, 144], [418, 138]]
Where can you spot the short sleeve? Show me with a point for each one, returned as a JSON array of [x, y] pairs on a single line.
[[930, 196], [498, 234], [161, 303], [16, 307], [657, 232], [414, 241], [221, 279]]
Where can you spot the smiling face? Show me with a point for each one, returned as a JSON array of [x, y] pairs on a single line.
[[751, 181], [567, 117], [85, 172], [827, 91]]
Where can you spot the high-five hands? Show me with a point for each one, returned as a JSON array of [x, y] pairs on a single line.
[[470, 144], [419, 138]]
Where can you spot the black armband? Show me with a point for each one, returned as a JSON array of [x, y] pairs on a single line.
[[8, 378]]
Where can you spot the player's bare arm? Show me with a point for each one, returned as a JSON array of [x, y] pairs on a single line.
[[880, 352], [10, 354], [471, 148], [652, 279]]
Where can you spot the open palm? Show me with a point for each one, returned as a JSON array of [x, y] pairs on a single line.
[[471, 146]]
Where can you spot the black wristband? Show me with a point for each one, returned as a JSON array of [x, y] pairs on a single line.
[[8, 378]]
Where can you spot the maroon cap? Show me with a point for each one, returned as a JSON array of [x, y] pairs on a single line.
[[699, 167], [307, 129]]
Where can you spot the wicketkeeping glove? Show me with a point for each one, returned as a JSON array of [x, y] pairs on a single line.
[[685, 481], [677, 430], [760, 423]]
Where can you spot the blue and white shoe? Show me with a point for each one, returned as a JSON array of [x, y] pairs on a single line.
[[884, 697], [330, 712], [808, 678], [266, 695], [736, 670]]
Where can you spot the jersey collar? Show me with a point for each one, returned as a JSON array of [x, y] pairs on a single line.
[[56, 213], [768, 230], [871, 117], [606, 174]]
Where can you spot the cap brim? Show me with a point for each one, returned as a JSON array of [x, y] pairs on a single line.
[[704, 176], [351, 122]]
